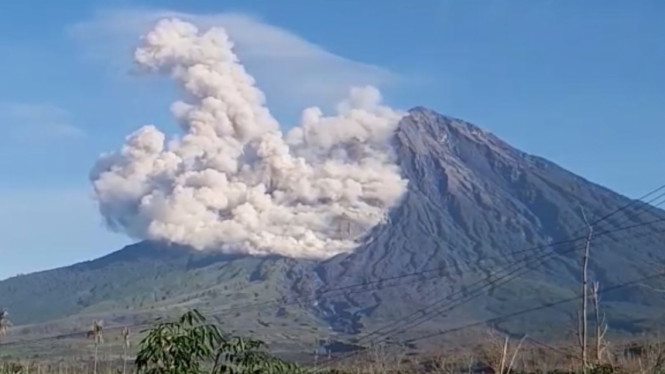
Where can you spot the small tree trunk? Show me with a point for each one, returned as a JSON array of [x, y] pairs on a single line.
[[504, 355], [316, 355], [585, 296], [125, 347], [124, 359], [601, 326], [597, 322], [583, 332], [512, 360], [94, 367]]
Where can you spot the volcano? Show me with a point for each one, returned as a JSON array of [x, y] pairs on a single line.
[[476, 209]]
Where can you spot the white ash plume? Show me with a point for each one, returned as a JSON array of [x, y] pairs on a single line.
[[232, 181]]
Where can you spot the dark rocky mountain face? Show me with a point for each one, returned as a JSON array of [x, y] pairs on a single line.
[[475, 205]]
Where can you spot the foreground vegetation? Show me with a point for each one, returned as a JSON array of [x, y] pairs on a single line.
[[191, 345]]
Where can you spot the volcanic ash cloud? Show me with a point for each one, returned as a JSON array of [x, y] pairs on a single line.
[[232, 181]]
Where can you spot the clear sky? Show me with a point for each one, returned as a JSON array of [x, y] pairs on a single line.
[[580, 83]]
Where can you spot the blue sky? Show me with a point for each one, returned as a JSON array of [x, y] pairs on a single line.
[[580, 83]]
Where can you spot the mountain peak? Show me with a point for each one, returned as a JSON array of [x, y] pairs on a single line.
[[425, 131], [426, 116]]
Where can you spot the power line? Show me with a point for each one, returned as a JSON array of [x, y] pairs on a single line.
[[379, 281], [284, 301], [637, 201], [552, 253], [537, 308], [447, 308], [460, 302], [218, 311], [520, 312], [543, 257], [522, 267]]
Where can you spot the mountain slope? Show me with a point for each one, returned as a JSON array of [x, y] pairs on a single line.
[[472, 201], [60, 292], [474, 206], [143, 276]]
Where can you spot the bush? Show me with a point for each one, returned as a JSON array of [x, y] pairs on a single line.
[[193, 347]]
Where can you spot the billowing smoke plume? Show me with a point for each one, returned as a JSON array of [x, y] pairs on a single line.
[[232, 181]]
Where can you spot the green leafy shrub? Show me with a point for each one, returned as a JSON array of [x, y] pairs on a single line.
[[191, 346]]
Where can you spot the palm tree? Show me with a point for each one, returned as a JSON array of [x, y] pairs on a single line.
[[95, 333]]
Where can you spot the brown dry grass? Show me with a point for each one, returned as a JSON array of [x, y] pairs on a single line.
[[645, 356]]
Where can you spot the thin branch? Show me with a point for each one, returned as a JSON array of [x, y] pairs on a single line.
[[601, 326], [504, 354], [512, 360]]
